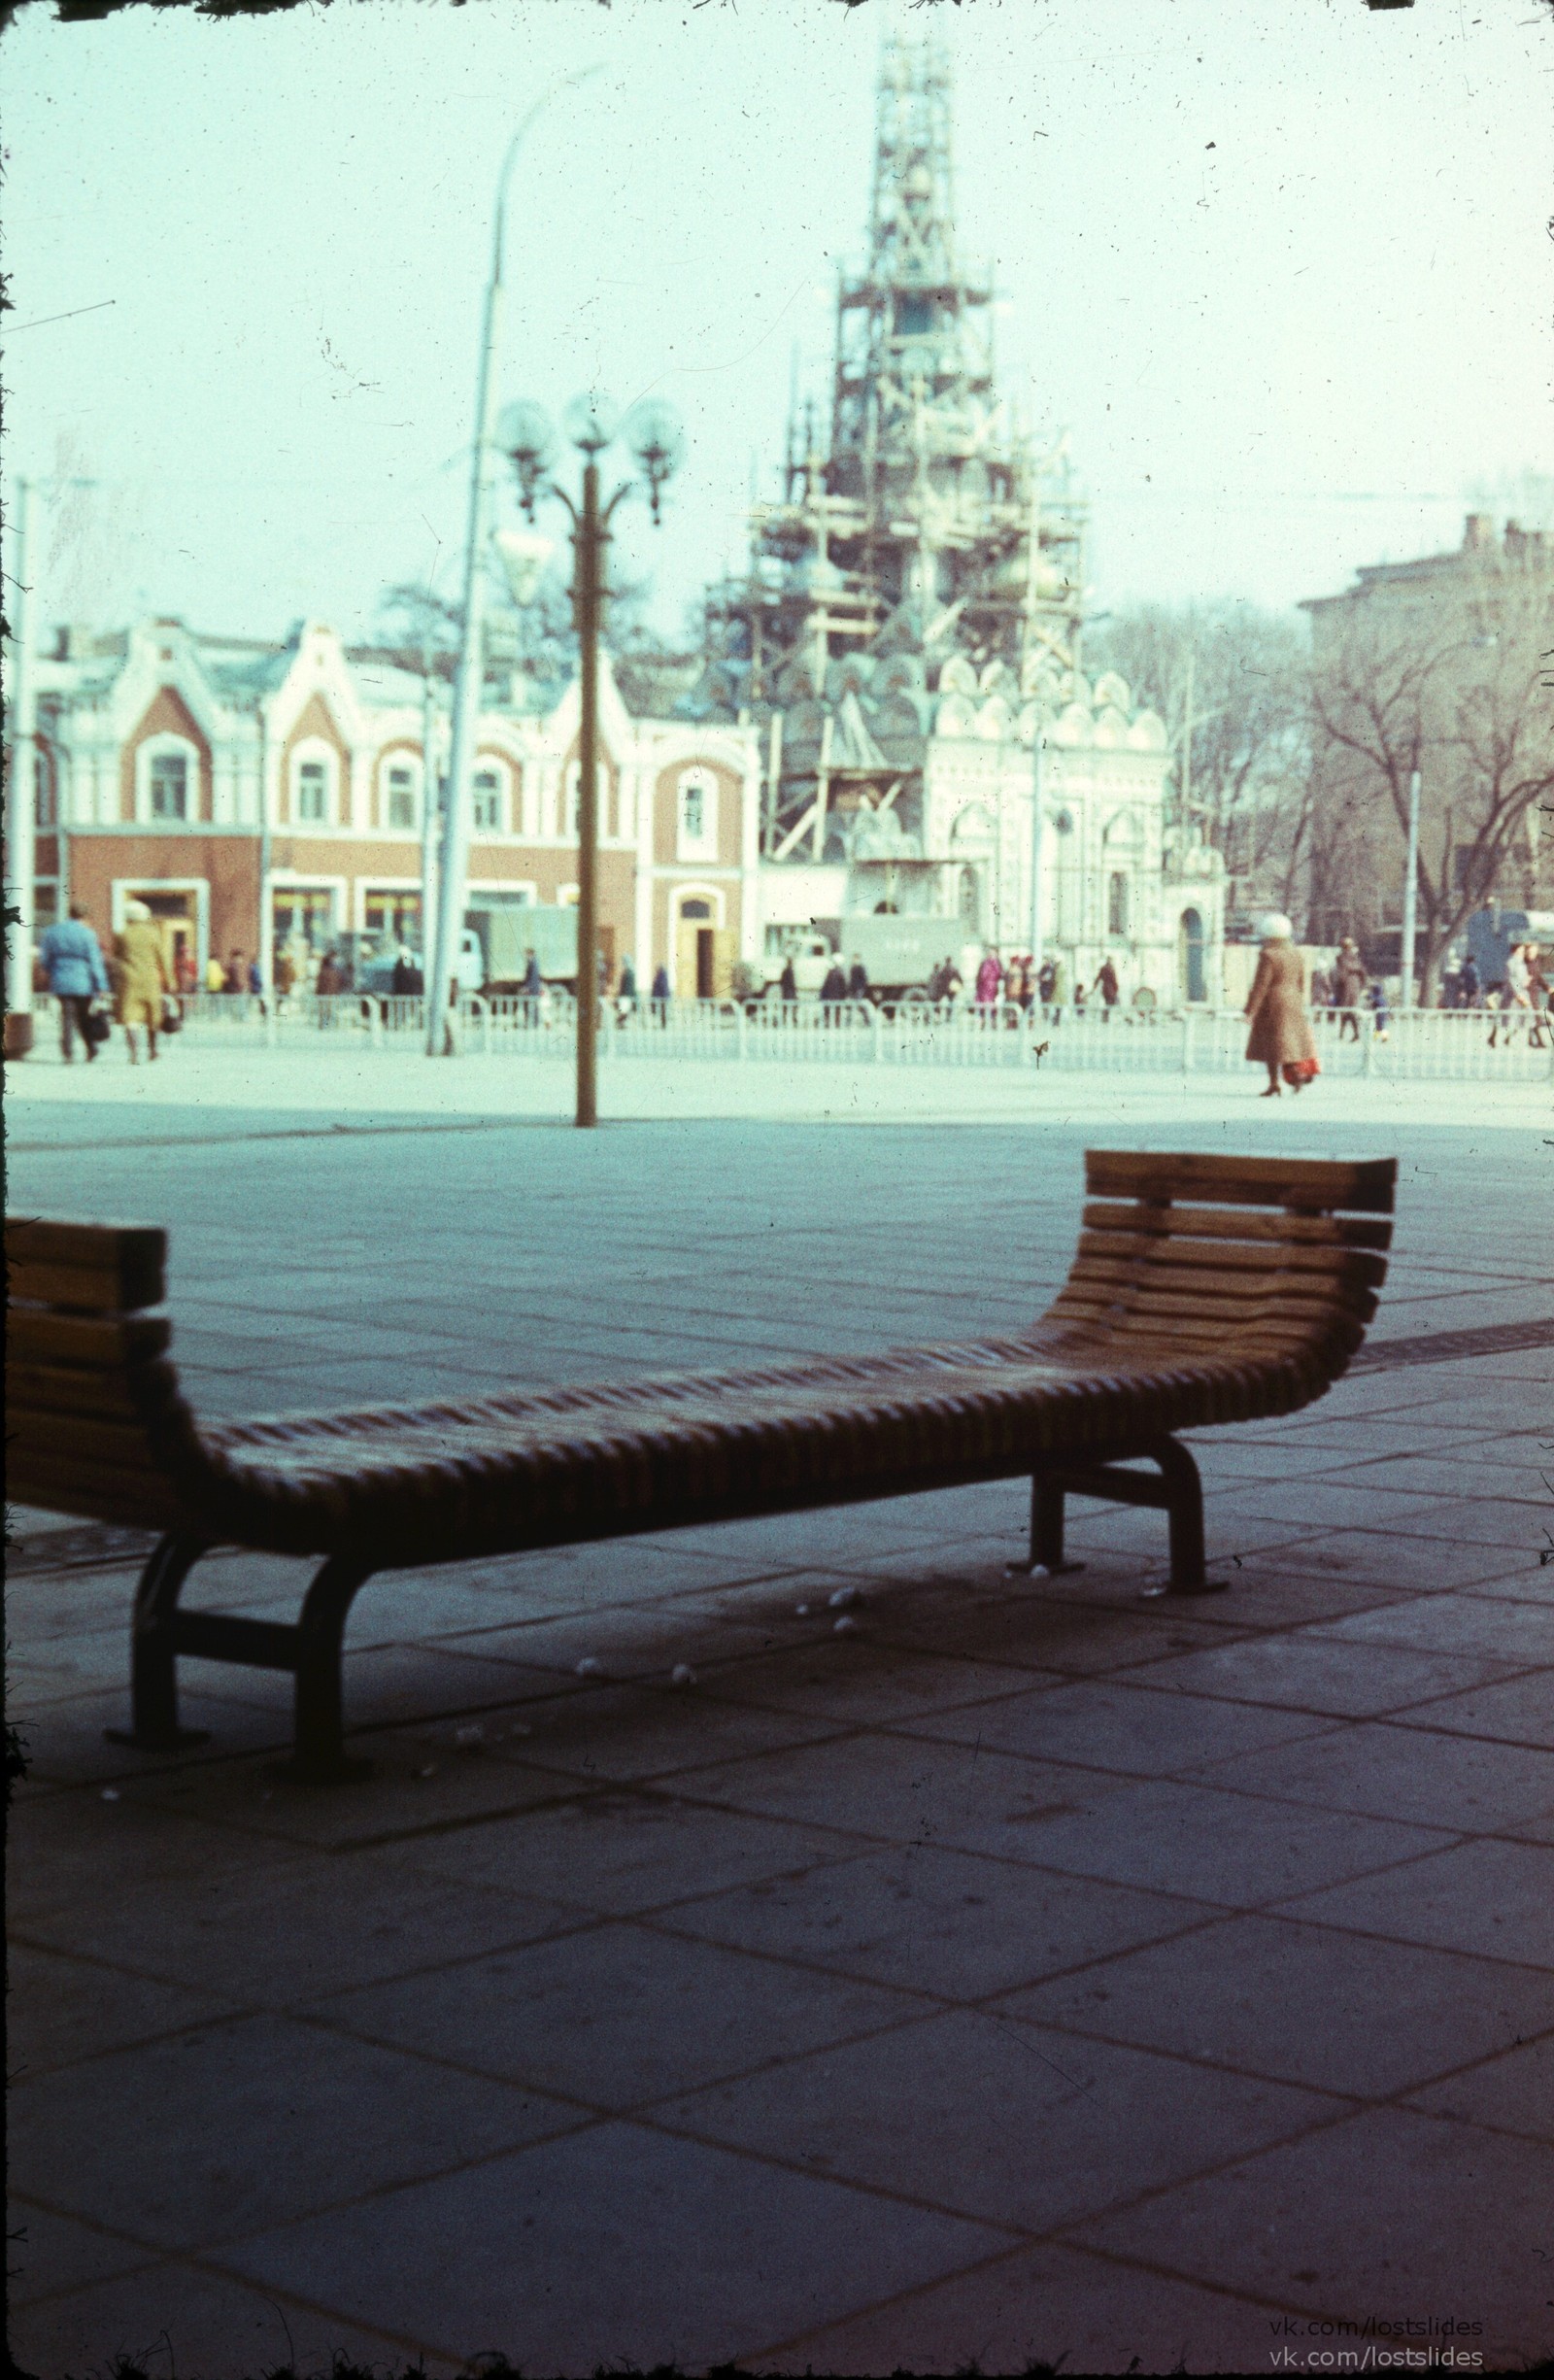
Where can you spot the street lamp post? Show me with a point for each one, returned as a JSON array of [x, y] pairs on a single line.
[[472, 659], [22, 813], [653, 434], [1411, 896]]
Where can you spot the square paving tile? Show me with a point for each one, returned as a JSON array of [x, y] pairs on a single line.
[[856, 1681], [1448, 1781], [48, 2252], [936, 1920], [1518, 1710], [174, 2126], [992, 2118], [1376, 1557], [60, 1847], [1233, 1848], [1490, 1897], [1300, 2004], [901, 1790], [272, 1937], [59, 2008], [1513, 2092], [1387, 2214], [618, 2244], [617, 2016], [1053, 2307], [1119, 1724], [625, 1733], [1483, 1627], [172, 2319], [1312, 1671], [625, 1852]]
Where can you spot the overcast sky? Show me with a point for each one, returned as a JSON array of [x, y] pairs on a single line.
[[1283, 272]]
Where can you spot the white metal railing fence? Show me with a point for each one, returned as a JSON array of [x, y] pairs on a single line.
[[1462, 1045]]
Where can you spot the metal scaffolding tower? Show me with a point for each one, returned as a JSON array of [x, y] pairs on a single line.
[[923, 545]]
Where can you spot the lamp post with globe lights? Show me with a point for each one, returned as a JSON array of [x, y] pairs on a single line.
[[652, 434]]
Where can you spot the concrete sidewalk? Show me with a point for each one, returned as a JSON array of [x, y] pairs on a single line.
[[1017, 1973]]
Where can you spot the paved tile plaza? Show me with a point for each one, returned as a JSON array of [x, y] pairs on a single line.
[[1017, 1974]]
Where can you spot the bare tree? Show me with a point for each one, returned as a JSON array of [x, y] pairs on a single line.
[[1229, 682], [1450, 687], [423, 630]]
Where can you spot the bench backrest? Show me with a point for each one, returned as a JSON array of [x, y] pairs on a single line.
[[91, 1400], [1198, 1256]]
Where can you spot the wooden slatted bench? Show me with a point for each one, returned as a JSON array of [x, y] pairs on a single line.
[[1205, 1289]]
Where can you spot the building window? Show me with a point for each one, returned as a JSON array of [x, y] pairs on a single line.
[[312, 793], [488, 802], [698, 820], [45, 811], [169, 785], [401, 803], [1117, 903]]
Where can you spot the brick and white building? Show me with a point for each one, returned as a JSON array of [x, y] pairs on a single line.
[[258, 796]]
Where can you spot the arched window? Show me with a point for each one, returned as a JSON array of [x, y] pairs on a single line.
[[167, 780], [696, 818], [489, 803], [399, 796], [315, 772], [1117, 903]]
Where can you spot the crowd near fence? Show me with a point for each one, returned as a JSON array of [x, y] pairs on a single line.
[[1426, 1045]]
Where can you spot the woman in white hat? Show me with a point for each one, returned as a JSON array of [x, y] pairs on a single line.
[[140, 976], [1281, 1038]]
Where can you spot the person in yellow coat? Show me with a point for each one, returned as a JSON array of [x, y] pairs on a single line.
[[140, 977], [1282, 1037]]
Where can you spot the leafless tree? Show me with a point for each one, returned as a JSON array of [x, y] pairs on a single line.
[[422, 629], [1452, 688], [1229, 681]]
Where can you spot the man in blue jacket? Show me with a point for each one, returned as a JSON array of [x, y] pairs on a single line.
[[73, 962]]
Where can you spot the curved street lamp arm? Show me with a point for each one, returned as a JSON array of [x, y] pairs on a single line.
[[584, 74]]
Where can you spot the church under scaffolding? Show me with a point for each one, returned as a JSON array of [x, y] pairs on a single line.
[[906, 636], [924, 530]]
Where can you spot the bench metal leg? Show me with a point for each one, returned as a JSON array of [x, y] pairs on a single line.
[[311, 1651], [1046, 1531], [1184, 1508], [154, 1652], [319, 1756]]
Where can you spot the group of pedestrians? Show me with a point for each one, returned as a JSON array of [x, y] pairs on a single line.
[[134, 981]]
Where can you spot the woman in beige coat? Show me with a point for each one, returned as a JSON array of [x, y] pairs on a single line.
[[140, 976], [1281, 1038]]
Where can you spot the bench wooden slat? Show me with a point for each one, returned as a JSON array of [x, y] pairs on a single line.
[[63, 1389], [35, 1239], [121, 1285], [1233, 1223], [1148, 1253], [92, 1340], [1367, 1184]]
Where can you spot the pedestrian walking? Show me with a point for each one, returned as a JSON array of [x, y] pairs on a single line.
[[1107, 985], [1280, 1036], [143, 988], [788, 984], [186, 973], [1349, 980], [833, 991], [990, 983], [1470, 991], [626, 999], [286, 976], [660, 995], [1018, 988], [858, 980], [215, 971], [72, 960], [1380, 1012], [236, 980]]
